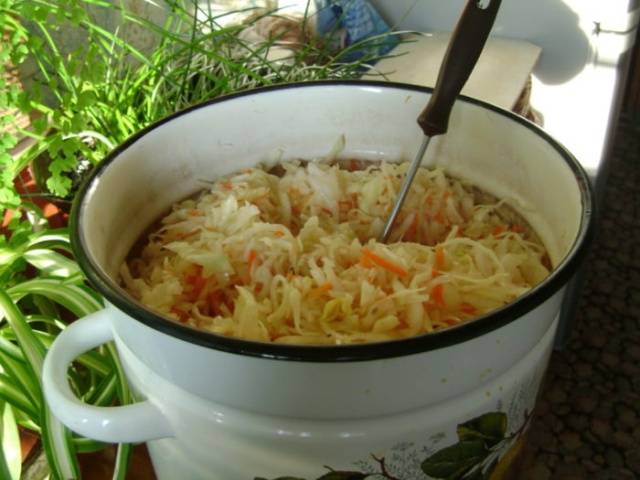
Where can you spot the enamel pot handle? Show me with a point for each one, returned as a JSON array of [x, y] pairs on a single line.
[[138, 422]]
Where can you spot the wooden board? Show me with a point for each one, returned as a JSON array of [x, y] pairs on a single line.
[[499, 77]]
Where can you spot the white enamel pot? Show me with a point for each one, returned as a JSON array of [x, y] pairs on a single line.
[[209, 407]]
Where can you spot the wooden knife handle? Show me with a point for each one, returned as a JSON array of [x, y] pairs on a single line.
[[465, 46]]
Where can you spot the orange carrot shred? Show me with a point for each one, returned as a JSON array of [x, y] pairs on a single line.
[[429, 306], [251, 257], [197, 283], [468, 308], [437, 293], [384, 263], [451, 321], [517, 229], [191, 278], [182, 315], [279, 233], [410, 234], [365, 261], [434, 272], [183, 235], [498, 230], [347, 204], [322, 289], [215, 300], [227, 184]]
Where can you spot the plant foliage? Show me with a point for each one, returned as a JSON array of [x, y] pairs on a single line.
[[86, 99], [42, 291]]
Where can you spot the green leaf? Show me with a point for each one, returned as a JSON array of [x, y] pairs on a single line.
[[77, 123], [59, 454], [35, 43], [19, 54], [490, 427], [344, 475], [16, 369], [123, 457], [58, 446], [35, 94], [59, 185], [86, 99], [49, 313], [56, 238], [452, 462], [10, 392], [33, 349], [105, 391], [10, 455], [122, 387], [8, 348], [7, 257], [70, 147], [51, 263], [60, 16], [92, 360], [55, 145], [39, 14], [77, 14], [8, 141], [40, 124], [74, 298], [53, 83], [280, 478], [6, 196], [54, 435], [87, 445]]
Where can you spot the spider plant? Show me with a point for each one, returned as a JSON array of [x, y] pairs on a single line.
[[42, 291]]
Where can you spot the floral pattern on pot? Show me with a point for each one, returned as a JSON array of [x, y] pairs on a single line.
[[484, 451], [488, 445]]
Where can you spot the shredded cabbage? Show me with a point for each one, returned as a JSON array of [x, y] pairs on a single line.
[[292, 258]]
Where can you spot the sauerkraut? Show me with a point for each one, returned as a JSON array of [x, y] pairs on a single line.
[[289, 255]]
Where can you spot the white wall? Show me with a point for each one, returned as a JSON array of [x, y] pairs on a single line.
[[554, 25]]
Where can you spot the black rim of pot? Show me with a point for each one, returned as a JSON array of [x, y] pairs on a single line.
[[341, 353]]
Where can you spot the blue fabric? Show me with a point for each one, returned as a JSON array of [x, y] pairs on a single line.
[[360, 21]]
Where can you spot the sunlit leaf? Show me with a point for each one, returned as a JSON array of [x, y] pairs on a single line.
[[51, 263], [10, 455]]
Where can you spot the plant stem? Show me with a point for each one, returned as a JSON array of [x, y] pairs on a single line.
[[383, 468]]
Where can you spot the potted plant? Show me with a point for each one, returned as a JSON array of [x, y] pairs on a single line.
[[83, 99]]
